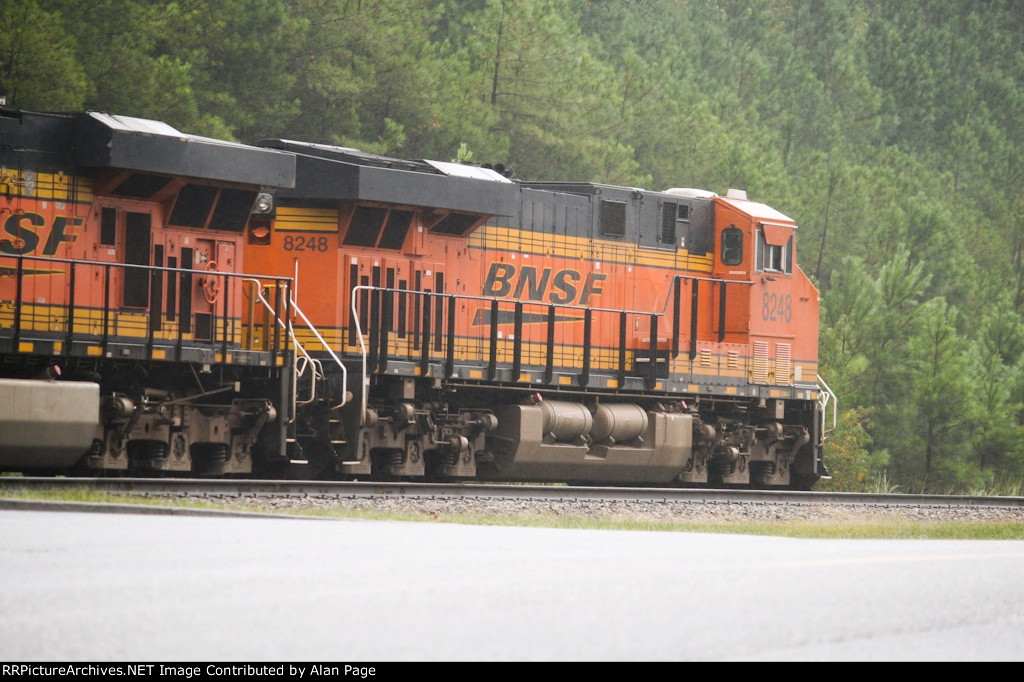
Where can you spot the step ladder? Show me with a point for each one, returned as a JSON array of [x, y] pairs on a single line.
[[306, 367]]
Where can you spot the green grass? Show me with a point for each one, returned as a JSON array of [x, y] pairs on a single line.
[[872, 527], [1006, 488], [85, 495]]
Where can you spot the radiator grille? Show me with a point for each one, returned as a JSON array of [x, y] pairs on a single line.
[[783, 364], [759, 373]]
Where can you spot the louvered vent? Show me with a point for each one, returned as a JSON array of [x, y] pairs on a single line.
[[759, 374], [734, 359], [705, 358], [783, 364]]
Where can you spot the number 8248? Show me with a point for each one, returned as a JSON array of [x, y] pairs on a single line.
[[777, 308], [301, 243]]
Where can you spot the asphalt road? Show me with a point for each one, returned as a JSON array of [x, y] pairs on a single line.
[[111, 587]]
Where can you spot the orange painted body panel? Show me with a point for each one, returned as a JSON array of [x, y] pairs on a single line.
[[782, 306], [47, 232], [572, 274]]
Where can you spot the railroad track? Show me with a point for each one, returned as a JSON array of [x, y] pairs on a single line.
[[233, 488]]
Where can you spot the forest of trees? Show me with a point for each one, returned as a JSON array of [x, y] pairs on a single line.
[[890, 130]]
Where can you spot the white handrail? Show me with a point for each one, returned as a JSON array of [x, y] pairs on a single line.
[[344, 370], [302, 361], [826, 395], [316, 364], [362, 349]]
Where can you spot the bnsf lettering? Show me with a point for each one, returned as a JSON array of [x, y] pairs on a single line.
[[565, 289], [25, 238], [27, 230], [526, 282]]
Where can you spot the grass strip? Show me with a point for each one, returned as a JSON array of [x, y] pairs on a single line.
[[870, 526]]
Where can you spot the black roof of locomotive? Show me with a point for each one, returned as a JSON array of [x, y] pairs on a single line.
[[585, 188], [329, 173], [345, 154], [38, 141], [99, 140], [617, 192], [152, 146]]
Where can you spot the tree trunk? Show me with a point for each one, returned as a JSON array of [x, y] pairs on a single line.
[[497, 56], [832, 181], [928, 454]]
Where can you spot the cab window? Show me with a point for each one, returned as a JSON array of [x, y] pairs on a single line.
[[774, 257], [732, 246]]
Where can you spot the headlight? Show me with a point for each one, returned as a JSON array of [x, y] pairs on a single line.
[[264, 203]]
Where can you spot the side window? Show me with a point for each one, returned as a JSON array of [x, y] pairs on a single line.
[[732, 246], [774, 257]]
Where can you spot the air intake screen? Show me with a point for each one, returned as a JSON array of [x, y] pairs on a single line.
[[232, 210], [193, 205], [455, 223], [140, 186], [365, 225], [396, 229], [613, 218]]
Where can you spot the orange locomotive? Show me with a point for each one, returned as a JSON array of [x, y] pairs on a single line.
[[170, 303], [544, 331]]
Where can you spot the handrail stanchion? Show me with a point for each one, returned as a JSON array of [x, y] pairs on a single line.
[[425, 340], [70, 336], [588, 317], [652, 376], [517, 342], [549, 364], [449, 359], [622, 348], [492, 359], [106, 307], [676, 295]]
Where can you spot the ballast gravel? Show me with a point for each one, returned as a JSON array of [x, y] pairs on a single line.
[[633, 511]]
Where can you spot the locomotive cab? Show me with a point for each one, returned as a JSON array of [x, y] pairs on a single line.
[[770, 307]]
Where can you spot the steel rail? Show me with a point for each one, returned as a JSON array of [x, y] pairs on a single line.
[[356, 489]]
